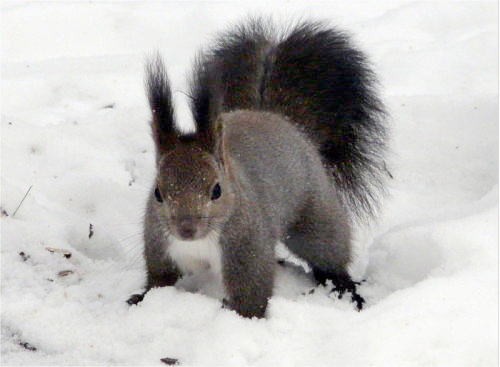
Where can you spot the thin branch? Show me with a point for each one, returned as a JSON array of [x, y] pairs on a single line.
[[27, 192]]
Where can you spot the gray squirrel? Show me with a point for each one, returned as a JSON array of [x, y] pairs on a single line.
[[289, 146]]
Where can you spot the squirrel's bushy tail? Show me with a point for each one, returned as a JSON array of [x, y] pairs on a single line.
[[312, 74]]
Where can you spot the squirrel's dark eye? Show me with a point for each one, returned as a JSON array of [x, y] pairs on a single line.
[[158, 196], [216, 192]]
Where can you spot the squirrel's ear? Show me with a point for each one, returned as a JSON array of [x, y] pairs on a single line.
[[212, 139], [209, 135], [218, 140], [160, 102]]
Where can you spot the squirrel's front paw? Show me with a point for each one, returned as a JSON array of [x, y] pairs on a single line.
[[135, 299]]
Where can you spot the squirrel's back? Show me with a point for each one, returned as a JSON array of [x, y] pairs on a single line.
[[276, 162], [313, 75]]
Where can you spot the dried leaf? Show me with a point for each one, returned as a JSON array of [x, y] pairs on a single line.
[[64, 252], [64, 273], [170, 361]]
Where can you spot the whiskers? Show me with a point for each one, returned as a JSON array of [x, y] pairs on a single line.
[[215, 229]]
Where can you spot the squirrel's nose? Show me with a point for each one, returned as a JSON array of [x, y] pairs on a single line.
[[186, 228]]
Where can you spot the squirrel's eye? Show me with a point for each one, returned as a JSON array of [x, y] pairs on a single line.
[[158, 196], [216, 192]]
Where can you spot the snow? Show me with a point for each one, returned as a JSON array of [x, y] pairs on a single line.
[[74, 126]]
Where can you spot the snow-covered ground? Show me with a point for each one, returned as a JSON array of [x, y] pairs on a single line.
[[74, 127]]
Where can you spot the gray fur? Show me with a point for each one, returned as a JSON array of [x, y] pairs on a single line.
[[281, 193]]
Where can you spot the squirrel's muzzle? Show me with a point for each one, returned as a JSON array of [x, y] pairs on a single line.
[[186, 227]]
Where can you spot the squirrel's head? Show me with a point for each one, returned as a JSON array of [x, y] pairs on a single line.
[[192, 192], [193, 195]]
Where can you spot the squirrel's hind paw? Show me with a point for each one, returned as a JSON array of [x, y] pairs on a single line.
[[342, 283], [349, 286]]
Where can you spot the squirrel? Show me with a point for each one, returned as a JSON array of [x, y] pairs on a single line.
[[289, 146]]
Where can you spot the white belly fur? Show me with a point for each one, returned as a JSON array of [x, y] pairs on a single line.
[[196, 256]]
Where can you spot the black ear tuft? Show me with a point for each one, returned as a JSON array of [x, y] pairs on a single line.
[[160, 102]]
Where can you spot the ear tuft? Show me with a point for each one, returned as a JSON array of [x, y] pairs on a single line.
[[160, 102]]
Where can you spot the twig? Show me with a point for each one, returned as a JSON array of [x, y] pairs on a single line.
[[27, 192]]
